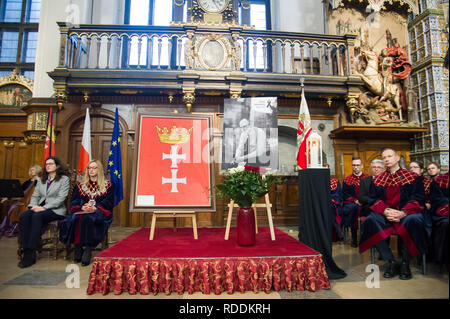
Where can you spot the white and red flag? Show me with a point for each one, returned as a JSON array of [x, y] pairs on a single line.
[[304, 129], [85, 151]]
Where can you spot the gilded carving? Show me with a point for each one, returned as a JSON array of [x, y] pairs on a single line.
[[188, 98], [33, 138], [15, 90], [378, 57], [235, 93], [9, 144]]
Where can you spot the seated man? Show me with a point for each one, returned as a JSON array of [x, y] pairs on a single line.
[[442, 181], [439, 213], [350, 190], [433, 169], [377, 167], [397, 198], [336, 204]]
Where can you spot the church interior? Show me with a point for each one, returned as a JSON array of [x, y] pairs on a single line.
[[188, 58]]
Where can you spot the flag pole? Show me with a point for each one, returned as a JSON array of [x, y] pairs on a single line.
[[302, 85]]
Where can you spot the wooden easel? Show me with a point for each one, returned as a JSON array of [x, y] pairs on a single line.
[[268, 206], [174, 214]]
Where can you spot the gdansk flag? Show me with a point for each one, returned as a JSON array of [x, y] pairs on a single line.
[[49, 146], [304, 129]]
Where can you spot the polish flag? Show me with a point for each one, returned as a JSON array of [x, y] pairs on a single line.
[[85, 151], [304, 130]]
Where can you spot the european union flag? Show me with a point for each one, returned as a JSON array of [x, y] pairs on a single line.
[[115, 162]]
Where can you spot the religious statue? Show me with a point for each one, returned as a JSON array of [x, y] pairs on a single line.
[[384, 74], [189, 52], [236, 56]]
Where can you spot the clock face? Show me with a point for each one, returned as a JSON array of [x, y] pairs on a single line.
[[213, 5]]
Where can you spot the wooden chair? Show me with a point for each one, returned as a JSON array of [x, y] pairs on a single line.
[[50, 233], [50, 239], [421, 259]]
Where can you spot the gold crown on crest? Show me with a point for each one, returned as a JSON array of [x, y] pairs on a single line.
[[175, 136]]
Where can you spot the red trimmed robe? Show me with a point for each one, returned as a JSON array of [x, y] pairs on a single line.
[[439, 214], [442, 181], [336, 199], [350, 190], [88, 229], [404, 191]]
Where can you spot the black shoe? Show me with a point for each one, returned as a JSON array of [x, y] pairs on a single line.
[[405, 272], [392, 269], [354, 243], [29, 258], [339, 233], [78, 253], [86, 259]]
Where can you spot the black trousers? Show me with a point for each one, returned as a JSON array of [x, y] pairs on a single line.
[[30, 226]]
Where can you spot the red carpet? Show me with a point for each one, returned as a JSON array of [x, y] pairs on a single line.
[[176, 262]]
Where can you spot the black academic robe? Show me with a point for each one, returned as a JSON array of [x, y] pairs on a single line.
[[404, 191], [336, 200], [439, 210], [88, 229], [350, 190], [363, 196], [442, 181]]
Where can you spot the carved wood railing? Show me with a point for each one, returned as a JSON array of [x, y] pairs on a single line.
[[125, 47]]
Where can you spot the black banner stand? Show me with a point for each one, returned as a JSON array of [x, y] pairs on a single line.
[[315, 216]]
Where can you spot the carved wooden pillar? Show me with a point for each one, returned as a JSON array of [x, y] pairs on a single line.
[[350, 54], [37, 117]]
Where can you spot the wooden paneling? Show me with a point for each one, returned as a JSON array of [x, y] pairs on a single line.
[[15, 159], [367, 150], [348, 164]]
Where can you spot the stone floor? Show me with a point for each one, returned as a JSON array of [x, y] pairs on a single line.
[[47, 278]]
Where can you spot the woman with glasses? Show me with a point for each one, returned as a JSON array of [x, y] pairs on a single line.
[[91, 205], [46, 205]]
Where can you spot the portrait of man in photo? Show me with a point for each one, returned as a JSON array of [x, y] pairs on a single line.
[[250, 133]]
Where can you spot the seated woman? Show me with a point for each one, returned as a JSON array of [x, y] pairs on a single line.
[[91, 205], [46, 205], [9, 224], [35, 173]]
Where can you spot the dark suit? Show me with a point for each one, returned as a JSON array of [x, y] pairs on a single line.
[[363, 195], [52, 198]]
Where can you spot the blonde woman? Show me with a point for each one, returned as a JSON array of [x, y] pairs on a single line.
[[91, 206]]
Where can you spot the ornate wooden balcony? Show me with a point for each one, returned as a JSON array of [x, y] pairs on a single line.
[[192, 59]]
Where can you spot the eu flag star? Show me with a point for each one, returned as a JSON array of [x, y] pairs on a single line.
[[114, 143], [110, 153], [110, 163], [116, 172]]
